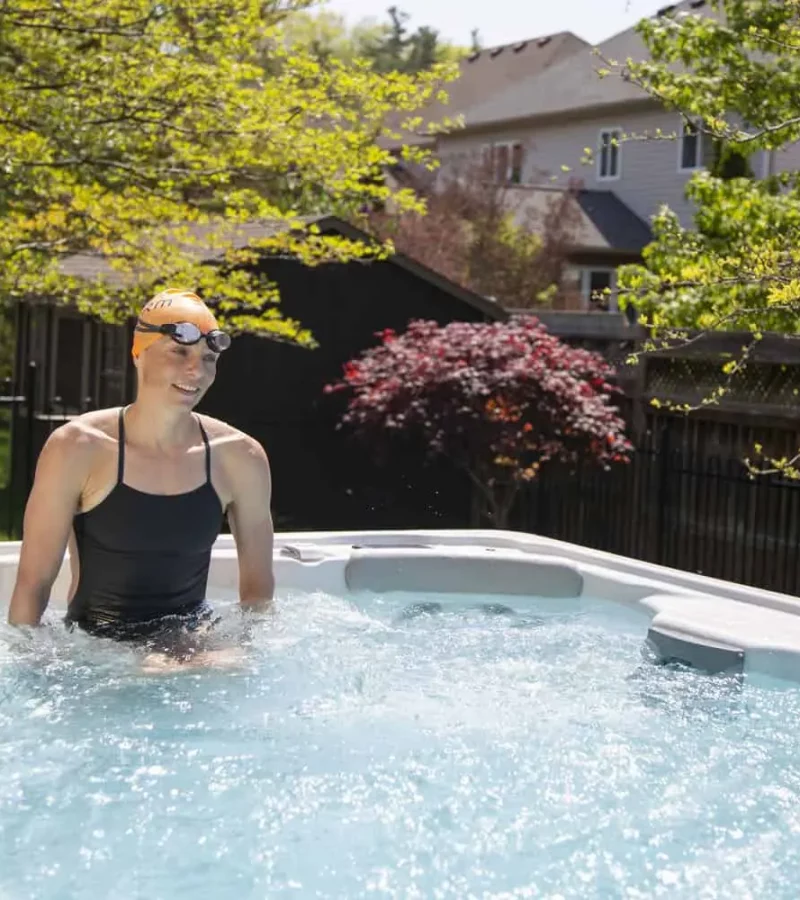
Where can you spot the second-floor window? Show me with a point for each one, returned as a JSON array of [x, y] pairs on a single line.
[[504, 161], [609, 153], [690, 147]]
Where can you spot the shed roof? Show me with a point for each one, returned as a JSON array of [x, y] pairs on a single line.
[[94, 266]]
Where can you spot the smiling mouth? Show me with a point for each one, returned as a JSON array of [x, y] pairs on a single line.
[[186, 389]]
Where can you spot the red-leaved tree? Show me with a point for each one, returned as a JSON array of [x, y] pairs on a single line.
[[498, 399]]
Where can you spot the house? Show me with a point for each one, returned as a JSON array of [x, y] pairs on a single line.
[[534, 133], [481, 75], [487, 72], [274, 391]]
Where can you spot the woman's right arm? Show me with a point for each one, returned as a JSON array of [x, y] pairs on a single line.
[[61, 472]]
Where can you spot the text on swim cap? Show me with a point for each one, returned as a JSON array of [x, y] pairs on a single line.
[[157, 304]]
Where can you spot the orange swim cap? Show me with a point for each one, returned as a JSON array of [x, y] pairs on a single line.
[[170, 306]]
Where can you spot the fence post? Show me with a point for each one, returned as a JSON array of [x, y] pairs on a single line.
[[663, 494], [30, 402]]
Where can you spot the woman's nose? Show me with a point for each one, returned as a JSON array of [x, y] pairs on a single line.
[[194, 365]]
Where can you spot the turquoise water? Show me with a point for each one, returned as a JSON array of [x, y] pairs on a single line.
[[381, 750]]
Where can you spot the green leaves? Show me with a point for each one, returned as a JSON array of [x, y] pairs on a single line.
[[738, 269], [738, 266], [144, 134]]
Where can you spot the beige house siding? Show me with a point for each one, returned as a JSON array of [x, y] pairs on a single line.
[[649, 173], [786, 159]]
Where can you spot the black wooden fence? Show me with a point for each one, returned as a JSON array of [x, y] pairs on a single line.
[[26, 421], [674, 504], [675, 507], [17, 457]]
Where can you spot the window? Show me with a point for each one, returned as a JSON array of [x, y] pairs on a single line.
[[486, 158], [594, 284], [515, 175], [504, 161], [608, 157], [690, 148]]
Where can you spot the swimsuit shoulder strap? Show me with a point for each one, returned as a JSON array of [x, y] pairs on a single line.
[[208, 450], [121, 449]]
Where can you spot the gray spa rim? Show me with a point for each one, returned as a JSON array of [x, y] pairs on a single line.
[[705, 656], [418, 572]]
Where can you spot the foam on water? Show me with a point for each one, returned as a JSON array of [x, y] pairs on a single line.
[[408, 747]]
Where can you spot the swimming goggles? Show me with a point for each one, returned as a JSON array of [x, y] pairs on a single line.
[[188, 333]]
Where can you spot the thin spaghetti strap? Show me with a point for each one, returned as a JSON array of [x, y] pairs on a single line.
[[208, 451], [121, 450]]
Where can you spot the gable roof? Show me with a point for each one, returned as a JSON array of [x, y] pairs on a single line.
[[573, 84], [618, 224], [487, 72], [603, 223], [94, 266]]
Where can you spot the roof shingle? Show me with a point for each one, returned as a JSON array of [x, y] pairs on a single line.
[[617, 223], [603, 223], [573, 84], [489, 72]]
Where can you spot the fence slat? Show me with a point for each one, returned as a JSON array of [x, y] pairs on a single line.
[[679, 507]]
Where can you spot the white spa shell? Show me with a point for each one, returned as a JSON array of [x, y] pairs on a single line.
[[716, 626]]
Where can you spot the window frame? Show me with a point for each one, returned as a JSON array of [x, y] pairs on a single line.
[[490, 149], [585, 287], [611, 130], [699, 164], [767, 163]]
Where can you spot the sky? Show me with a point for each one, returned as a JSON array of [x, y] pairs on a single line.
[[505, 21]]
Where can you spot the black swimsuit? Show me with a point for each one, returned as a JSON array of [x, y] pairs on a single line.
[[144, 557]]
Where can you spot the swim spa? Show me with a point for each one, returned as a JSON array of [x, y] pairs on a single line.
[[429, 715]]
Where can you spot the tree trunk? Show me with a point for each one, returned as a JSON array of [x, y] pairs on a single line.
[[503, 504], [491, 504]]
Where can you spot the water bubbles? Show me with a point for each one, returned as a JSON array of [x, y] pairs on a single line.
[[416, 610], [418, 746], [496, 609]]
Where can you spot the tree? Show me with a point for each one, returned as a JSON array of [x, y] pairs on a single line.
[[478, 231], [150, 133], [476, 44], [389, 54], [424, 50], [398, 51], [386, 46], [326, 35], [499, 400], [734, 78]]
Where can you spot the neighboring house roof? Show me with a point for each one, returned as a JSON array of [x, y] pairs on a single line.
[[573, 84], [488, 72], [618, 224], [603, 223], [93, 266]]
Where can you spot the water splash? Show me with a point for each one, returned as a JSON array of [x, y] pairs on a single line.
[[467, 751]]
